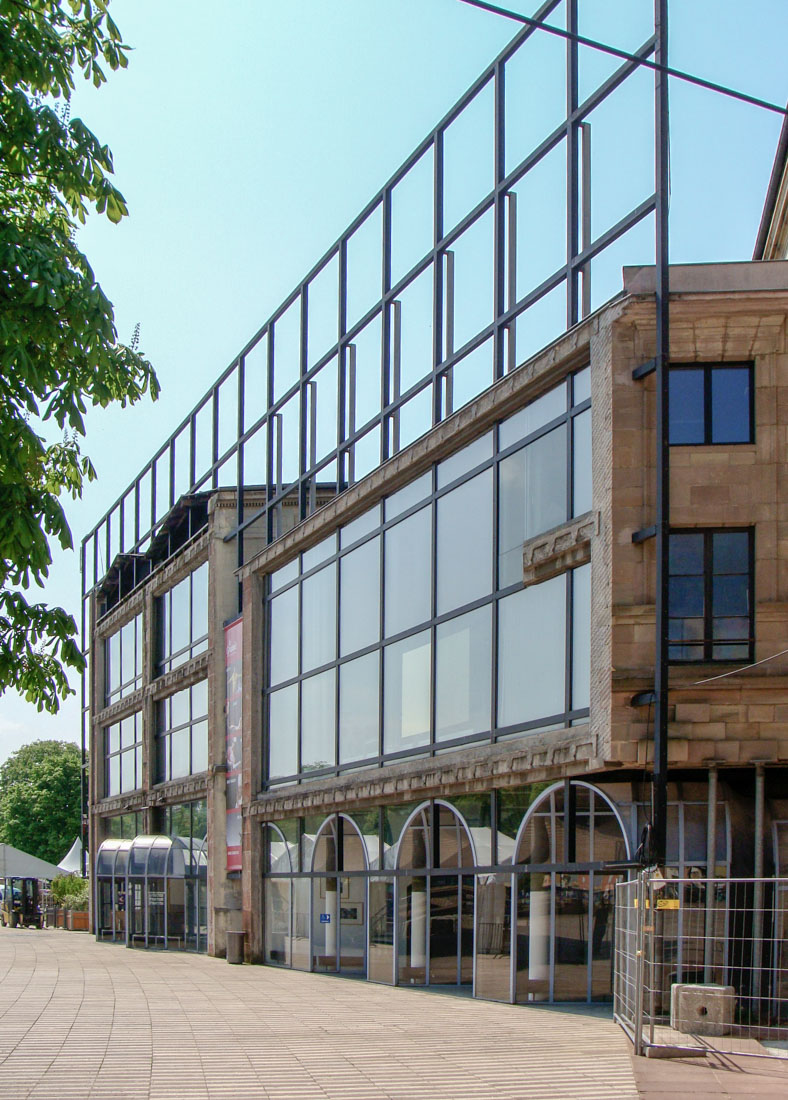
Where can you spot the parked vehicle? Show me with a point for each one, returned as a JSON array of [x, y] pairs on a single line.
[[20, 906]]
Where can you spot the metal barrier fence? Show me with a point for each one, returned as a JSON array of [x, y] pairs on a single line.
[[701, 965]]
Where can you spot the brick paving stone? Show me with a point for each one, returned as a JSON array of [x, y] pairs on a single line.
[[98, 1022]]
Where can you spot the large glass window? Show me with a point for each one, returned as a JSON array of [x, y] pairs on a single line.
[[182, 615], [406, 694], [532, 653], [381, 641], [182, 733], [465, 532], [123, 661], [407, 572], [711, 403], [711, 595], [463, 675], [123, 755]]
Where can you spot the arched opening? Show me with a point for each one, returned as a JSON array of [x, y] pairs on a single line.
[[564, 906], [111, 864], [277, 918], [339, 897], [435, 898]]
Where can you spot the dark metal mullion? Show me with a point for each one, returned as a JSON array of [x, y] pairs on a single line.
[[337, 607], [381, 642], [270, 486], [433, 612], [499, 358], [495, 580], [708, 593], [239, 507], [751, 576], [661, 670], [385, 327], [342, 458], [303, 462], [437, 268], [215, 436], [707, 417], [572, 163]]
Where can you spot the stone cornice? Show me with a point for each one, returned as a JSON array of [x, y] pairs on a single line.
[[534, 757]]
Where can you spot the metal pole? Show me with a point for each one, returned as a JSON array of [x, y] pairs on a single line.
[[711, 862], [662, 451], [757, 894]]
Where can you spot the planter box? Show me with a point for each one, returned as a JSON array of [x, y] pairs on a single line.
[[77, 920]]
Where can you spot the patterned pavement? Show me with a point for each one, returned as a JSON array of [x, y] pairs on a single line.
[[85, 1020]]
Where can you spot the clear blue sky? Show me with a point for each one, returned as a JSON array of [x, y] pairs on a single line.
[[246, 137]]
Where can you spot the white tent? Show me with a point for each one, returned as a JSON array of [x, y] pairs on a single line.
[[71, 864], [16, 864]]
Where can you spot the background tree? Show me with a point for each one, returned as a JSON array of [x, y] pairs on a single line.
[[59, 352], [40, 809]]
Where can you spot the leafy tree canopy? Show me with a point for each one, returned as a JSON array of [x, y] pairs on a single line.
[[59, 352], [40, 809]]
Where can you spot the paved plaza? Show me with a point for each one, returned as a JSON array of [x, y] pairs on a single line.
[[86, 1020]]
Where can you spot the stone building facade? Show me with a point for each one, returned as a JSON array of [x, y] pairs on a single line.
[[446, 670]]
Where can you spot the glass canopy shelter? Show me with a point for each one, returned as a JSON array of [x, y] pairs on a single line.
[[152, 892]]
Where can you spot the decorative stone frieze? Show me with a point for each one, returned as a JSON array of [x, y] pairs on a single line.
[[563, 547], [549, 754]]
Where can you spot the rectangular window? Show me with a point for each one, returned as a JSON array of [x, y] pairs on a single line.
[[123, 661], [711, 403], [711, 595], [182, 616], [123, 756], [182, 733]]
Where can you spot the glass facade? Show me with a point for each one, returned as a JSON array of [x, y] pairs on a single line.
[[509, 893], [382, 637], [472, 892], [123, 661], [182, 621], [123, 755], [182, 733]]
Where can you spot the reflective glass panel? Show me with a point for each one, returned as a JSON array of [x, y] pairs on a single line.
[[581, 637], [685, 394], [284, 636], [730, 405], [540, 412], [581, 463], [318, 619], [532, 499], [283, 732], [463, 663], [408, 549], [359, 608], [359, 703], [493, 937], [532, 652], [318, 704], [406, 696], [464, 566]]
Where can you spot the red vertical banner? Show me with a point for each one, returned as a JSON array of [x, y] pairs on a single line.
[[233, 663]]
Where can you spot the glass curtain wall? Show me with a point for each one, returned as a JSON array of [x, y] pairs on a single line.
[[381, 637]]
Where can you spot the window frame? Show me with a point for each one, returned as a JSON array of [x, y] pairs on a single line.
[[708, 369], [708, 641]]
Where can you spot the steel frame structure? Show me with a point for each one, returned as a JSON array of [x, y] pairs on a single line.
[[132, 522]]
